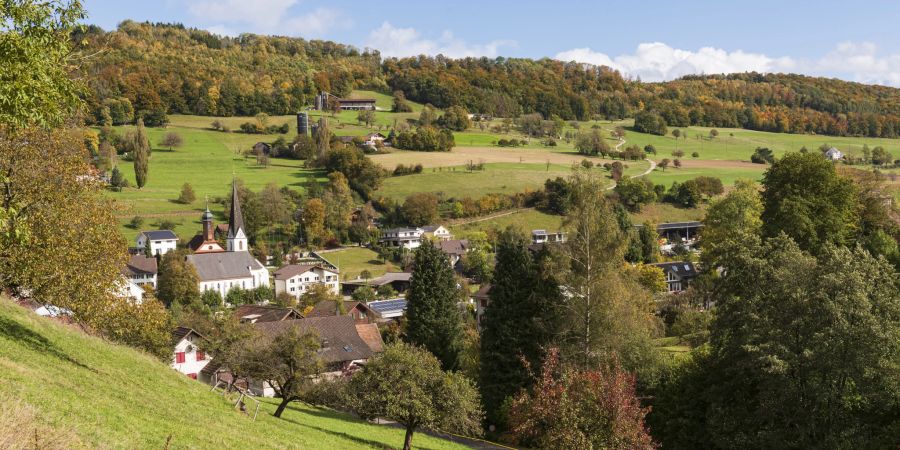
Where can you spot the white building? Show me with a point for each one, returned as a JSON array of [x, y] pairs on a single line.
[[296, 279], [834, 154], [408, 238], [129, 291], [544, 236], [373, 139], [187, 358], [437, 232], [221, 271], [160, 241]]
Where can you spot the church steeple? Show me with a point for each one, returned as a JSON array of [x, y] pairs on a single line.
[[237, 238], [207, 218]]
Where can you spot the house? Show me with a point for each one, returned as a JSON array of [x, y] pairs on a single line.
[[834, 154], [187, 358], [359, 311], [221, 270], [141, 270], [343, 348], [296, 279], [678, 275], [399, 281], [482, 299], [674, 233], [159, 241], [265, 313], [373, 140], [406, 238], [127, 290], [436, 232], [454, 249], [543, 236], [389, 309]]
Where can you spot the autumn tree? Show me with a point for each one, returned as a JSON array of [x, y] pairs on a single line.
[[420, 209], [433, 318], [609, 315], [187, 194], [286, 361], [172, 140], [339, 205], [399, 103], [138, 145], [431, 398], [569, 408], [427, 116], [455, 118], [322, 137], [663, 164], [313, 217], [178, 280]]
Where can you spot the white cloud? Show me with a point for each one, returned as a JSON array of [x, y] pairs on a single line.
[[264, 17], [854, 61], [655, 61], [393, 41]]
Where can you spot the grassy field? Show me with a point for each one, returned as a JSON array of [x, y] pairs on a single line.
[[353, 260], [527, 219], [110, 396]]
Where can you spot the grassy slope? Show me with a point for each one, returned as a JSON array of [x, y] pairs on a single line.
[[114, 397], [353, 260]]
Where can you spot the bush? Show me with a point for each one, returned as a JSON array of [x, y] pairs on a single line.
[[762, 155], [695, 155], [136, 222], [187, 194]]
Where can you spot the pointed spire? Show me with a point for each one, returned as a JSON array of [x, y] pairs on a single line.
[[235, 219]]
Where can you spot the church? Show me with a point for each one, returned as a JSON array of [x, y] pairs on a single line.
[[221, 269]]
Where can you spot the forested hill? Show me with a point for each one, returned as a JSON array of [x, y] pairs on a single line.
[[160, 67]]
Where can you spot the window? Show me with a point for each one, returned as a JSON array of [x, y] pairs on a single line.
[[179, 357], [200, 355]]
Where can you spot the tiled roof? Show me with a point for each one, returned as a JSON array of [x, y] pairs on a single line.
[[682, 269], [140, 264], [224, 265], [454, 246], [340, 339], [160, 235], [265, 313]]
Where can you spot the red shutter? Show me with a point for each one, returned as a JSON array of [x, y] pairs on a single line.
[[200, 355], [192, 376], [179, 357]]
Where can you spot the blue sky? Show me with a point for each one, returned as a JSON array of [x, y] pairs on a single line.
[[653, 40]]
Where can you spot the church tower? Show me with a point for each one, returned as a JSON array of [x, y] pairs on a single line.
[[237, 238]]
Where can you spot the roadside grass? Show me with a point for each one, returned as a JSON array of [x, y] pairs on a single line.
[[111, 396]]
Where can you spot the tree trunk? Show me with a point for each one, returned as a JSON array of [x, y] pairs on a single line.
[[282, 406], [407, 442]]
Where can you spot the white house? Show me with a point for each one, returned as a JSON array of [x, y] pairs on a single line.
[[678, 275], [544, 236], [187, 358], [408, 238], [834, 154], [437, 232], [128, 290], [221, 271], [373, 139], [160, 241], [296, 279]]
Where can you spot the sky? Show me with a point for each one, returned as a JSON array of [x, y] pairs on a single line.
[[647, 39]]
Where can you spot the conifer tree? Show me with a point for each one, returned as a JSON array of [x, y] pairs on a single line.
[[518, 323], [433, 318], [140, 148]]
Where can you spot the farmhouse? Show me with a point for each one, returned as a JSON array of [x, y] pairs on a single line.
[[221, 271], [296, 279], [834, 154], [343, 347], [678, 275], [187, 358], [141, 270], [374, 139], [345, 104], [406, 238], [455, 249], [436, 232], [159, 241], [265, 313]]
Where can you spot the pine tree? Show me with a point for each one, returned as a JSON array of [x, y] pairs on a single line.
[[140, 148], [517, 323], [433, 318]]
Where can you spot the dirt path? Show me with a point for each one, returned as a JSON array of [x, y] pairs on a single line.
[[646, 172]]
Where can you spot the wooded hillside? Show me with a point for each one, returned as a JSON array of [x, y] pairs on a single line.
[[173, 69]]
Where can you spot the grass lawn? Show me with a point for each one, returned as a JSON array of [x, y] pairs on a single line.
[[353, 260], [664, 212], [111, 396], [527, 219], [727, 175]]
